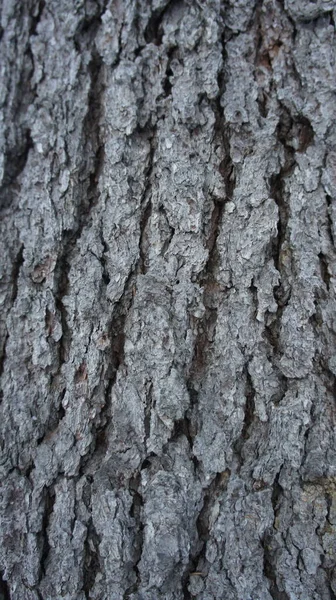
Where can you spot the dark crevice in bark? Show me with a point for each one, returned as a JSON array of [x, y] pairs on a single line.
[[14, 163], [262, 57], [211, 495], [204, 338], [268, 545], [206, 326], [92, 136], [87, 196], [254, 294], [283, 385], [324, 270], [331, 17], [49, 501], [198, 565], [270, 570], [277, 191], [18, 140], [306, 437], [331, 591], [304, 133], [17, 264], [205, 333], [167, 81], [280, 246], [249, 405], [102, 259], [117, 341], [249, 415], [116, 329], [168, 240], [276, 494], [35, 19], [4, 589], [114, 359], [88, 27], [146, 206], [56, 415], [271, 333], [148, 412], [329, 219], [3, 358], [147, 212], [61, 284], [290, 19], [136, 514], [16, 268], [183, 427], [154, 30], [91, 566]]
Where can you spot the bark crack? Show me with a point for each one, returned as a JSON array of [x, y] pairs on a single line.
[[16, 268], [249, 416], [88, 197], [198, 564], [146, 207], [14, 163], [91, 566], [267, 544], [154, 31], [206, 327], [4, 588], [136, 514], [49, 501]]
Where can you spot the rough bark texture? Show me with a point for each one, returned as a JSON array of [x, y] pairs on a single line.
[[168, 194]]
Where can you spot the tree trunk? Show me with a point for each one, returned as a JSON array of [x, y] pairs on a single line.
[[168, 304]]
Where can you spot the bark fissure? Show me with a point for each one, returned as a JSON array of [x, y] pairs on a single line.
[[14, 164], [3, 358], [329, 220], [35, 20], [4, 589], [154, 32], [49, 501], [206, 326], [19, 141], [146, 206], [114, 359], [269, 556], [136, 515], [89, 172], [198, 565], [249, 416], [270, 571], [91, 566], [16, 269]]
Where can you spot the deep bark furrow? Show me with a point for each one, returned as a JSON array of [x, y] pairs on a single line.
[[4, 590], [49, 496]]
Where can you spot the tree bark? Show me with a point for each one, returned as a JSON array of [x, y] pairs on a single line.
[[167, 197]]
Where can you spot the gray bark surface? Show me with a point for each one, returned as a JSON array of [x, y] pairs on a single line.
[[167, 359]]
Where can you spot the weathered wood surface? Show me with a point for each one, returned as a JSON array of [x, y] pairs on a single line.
[[168, 300]]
